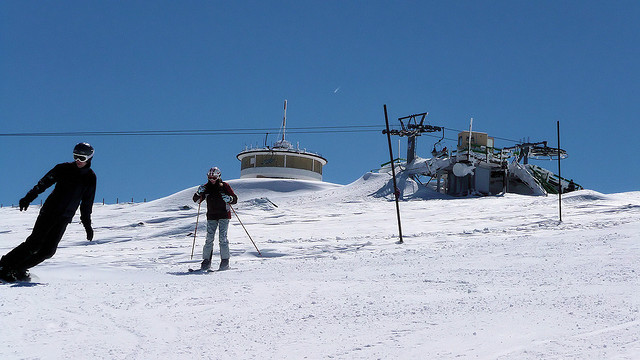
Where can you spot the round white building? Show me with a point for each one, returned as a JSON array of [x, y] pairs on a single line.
[[281, 161]]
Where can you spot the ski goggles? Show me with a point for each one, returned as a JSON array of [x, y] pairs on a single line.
[[80, 157]]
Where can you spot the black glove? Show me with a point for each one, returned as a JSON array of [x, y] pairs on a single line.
[[89, 230], [27, 199], [24, 203]]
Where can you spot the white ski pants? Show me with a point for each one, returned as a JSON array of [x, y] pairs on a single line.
[[222, 225]]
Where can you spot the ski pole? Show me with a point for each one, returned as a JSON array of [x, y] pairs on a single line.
[[271, 202], [195, 231], [245, 229]]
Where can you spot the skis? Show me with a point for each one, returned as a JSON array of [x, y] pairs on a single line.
[[202, 271], [29, 281]]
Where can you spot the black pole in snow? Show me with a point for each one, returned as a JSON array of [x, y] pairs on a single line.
[[559, 175], [396, 193]]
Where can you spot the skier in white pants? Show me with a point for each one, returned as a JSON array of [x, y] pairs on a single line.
[[219, 196]]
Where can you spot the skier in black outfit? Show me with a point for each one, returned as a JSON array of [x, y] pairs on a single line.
[[75, 187]]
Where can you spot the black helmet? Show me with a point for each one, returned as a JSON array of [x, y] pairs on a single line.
[[83, 152]]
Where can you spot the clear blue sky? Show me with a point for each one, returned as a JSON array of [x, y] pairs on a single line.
[[516, 67]]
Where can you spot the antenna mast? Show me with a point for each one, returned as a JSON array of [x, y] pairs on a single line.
[[284, 119]]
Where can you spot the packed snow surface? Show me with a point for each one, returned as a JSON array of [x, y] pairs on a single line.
[[477, 277]]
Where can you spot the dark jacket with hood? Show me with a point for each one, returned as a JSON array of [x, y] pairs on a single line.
[[75, 187], [217, 208]]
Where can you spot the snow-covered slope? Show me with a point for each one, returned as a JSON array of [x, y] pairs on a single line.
[[489, 278]]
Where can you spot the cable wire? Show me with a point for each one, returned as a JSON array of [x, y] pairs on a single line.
[[234, 131]]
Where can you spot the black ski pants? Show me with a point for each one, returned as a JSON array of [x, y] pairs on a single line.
[[39, 246]]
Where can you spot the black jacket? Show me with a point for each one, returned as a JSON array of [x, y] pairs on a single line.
[[74, 187], [216, 207]]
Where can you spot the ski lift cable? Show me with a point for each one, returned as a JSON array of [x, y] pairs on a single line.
[[232, 131]]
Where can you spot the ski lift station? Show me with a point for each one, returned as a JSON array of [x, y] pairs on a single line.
[[281, 161], [476, 166]]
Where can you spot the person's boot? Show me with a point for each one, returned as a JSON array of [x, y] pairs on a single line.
[[7, 275], [224, 264], [22, 275], [206, 264]]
